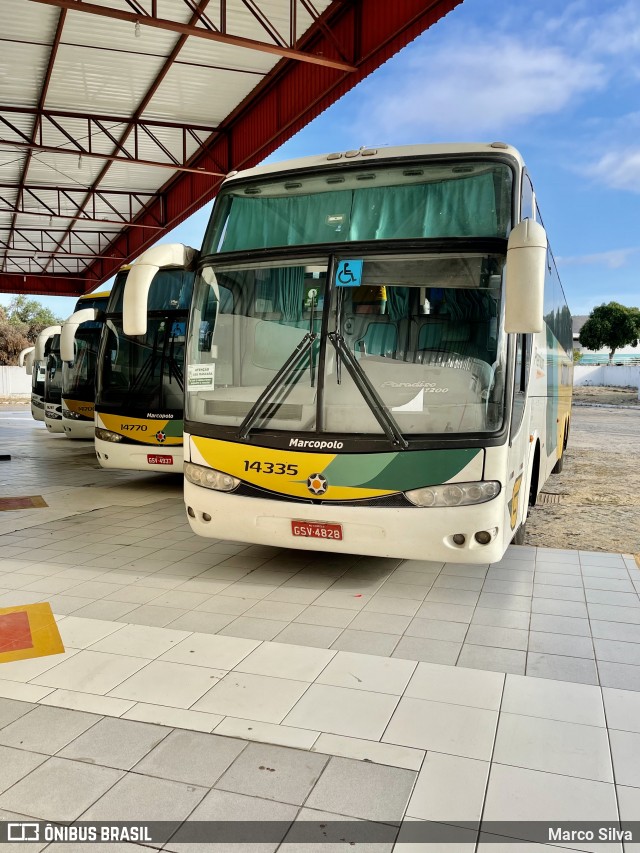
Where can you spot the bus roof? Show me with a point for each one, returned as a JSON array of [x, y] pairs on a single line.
[[372, 154], [97, 295]]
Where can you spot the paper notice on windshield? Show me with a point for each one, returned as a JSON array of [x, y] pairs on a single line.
[[200, 376]]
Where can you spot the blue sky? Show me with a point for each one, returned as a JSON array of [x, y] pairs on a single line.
[[558, 81]]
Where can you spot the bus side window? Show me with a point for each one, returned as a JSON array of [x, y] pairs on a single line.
[[520, 381], [527, 203]]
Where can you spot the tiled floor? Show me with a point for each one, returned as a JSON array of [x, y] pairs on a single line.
[[369, 689]]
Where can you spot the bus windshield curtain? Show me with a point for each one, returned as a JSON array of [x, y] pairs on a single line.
[[463, 207], [171, 289], [288, 287], [397, 302]]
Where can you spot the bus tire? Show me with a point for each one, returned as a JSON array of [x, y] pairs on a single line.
[[519, 535], [557, 468]]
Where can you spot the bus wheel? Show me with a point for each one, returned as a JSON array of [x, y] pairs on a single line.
[[519, 535], [557, 468]]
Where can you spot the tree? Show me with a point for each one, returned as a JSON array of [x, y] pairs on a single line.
[[611, 325], [29, 316], [12, 340]]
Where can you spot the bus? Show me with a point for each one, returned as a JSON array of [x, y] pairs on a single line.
[[79, 343], [39, 371], [139, 411], [379, 355]]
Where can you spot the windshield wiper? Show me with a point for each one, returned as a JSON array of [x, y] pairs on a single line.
[[280, 381], [373, 401]]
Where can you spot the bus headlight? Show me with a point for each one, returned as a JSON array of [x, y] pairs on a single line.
[[454, 494], [209, 478], [107, 435]]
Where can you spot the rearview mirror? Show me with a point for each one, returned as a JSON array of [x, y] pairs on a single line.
[[140, 278], [525, 272], [43, 337], [69, 329]]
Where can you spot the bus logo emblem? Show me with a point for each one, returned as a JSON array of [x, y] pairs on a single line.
[[160, 436], [317, 484]]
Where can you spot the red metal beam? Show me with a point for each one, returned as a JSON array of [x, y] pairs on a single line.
[[155, 215], [80, 151], [101, 117], [290, 98], [44, 285], [41, 101], [371, 31], [198, 32]]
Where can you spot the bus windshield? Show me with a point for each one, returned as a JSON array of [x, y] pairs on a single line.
[[146, 372], [412, 347], [53, 378], [78, 377], [460, 198]]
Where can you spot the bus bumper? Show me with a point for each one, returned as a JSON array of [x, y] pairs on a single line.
[[80, 429], [137, 457], [53, 418], [408, 533]]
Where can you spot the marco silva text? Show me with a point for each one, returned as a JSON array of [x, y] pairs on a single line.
[[602, 833]]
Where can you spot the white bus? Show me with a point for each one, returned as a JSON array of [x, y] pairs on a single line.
[[39, 370], [379, 357], [139, 408], [79, 342]]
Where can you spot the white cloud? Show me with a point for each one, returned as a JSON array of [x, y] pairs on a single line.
[[474, 86], [619, 169], [613, 259]]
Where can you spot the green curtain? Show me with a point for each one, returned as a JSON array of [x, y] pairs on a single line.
[[454, 208], [288, 288]]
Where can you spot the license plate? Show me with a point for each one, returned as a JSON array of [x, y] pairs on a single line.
[[155, 459], [316, 529]]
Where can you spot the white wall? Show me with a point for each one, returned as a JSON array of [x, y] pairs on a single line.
[[614, 376], [14, 381]]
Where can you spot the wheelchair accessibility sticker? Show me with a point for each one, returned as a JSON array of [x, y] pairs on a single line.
[[349, 274]]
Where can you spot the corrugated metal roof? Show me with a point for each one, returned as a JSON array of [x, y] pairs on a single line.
[[114, 130]]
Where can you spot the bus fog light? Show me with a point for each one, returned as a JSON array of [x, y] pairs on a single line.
[[454, 494], [209, 478], [483, 537], [459, 538], [206, 516], [190, 512]]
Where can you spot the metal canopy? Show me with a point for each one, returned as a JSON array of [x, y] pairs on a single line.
[[120, 118]]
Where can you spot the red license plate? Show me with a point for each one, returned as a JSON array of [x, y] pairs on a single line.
[[155, 459], [316, 529]]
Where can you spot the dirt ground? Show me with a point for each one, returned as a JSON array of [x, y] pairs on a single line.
[[594, 504], [599, 488]]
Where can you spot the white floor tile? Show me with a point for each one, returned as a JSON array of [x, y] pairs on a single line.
[[165, 683], [87, 702], [554, 747], [437, 726], [368, 672], [457, 685], [267, 733], [175, 717], [140, 641], [342, 711], [449, 789], [554, 700], [623, 709], [211, 651], [300, 663], [25, 670], [90, 672], [252, 697], [370, 750], [78, 633], [517, 794]]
